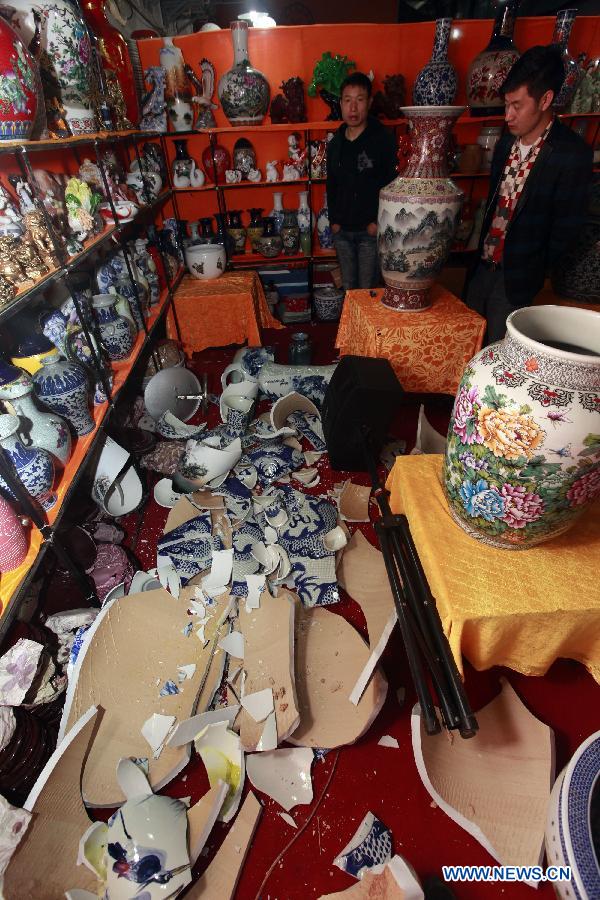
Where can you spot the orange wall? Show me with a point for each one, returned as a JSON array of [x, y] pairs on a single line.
[[387, 49]]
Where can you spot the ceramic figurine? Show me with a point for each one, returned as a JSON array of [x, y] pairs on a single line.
[[63, 387], [389, 102], [13, 540], [10, 268], [177, 90], [24, 193], [243, 90], [203, 101], [82, 206], [290, 172], [215, 161], [489, 69], [289, 106], [562, 31], [328, 75], [272, 171], [244, 156], [65, 59], [115, 331], [34, 466], [11, 220], [523, 452], [419, 211], [116, 101], [154, 115], [232, 176], [18, 87], [436, 83], [324, 233], [36, 428]]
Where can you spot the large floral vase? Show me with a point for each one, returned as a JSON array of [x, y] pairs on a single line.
[[419, 212], [243, 91], [63, 387], [523, 452], [66, 57], [18, 89], [489, 69]]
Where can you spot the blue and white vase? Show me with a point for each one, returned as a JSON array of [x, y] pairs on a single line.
[[115, 330], [36, 428], [324, 232], [436, 83], [63, 386], [34, 466], [125, 288], [147, 267]]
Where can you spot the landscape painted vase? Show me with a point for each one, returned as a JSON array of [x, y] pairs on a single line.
[[562, 31], [490, 67], [18, 86], [63, 387], [243, 90], [523, 453], [36, 427], [66, 58], [436, 83], [419, 211], [13, 540], [34, 466], [178, 93], [115, 330]]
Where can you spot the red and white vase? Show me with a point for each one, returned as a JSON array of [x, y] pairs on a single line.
[[13, 541], [18, 86], [490, 67], [419, 212]]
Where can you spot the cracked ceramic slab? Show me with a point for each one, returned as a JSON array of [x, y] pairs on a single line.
[[397, 881], [496, 785], [310, 427], [284, 775], [271, 463], [353, 502], [369, 849]]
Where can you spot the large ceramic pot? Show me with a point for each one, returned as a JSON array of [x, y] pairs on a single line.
[[34, 466], [66, 55], [490, 67], [243, 90], [115, 53], [115, 330], [523, 452], [205, 261], [436, 83], [562, 31], [63, 387], [419, 211], [18, 88], [178, 93]]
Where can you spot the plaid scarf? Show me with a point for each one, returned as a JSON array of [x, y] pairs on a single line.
[[513, 181]]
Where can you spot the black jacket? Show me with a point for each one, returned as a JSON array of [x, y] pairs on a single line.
[[356, 172], [549, 212]]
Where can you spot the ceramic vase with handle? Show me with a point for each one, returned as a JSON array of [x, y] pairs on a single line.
[[523, 452], [63, 386], [36, 427], [66, 59], [243, 90], [178, 93], [34, 466], [490, 67], [115, 331], [562, 31], [13, 540], [419, 211], [18, 86], [436, 83]]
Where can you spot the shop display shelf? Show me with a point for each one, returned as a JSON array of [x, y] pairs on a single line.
[[79, 140], [266, 128]]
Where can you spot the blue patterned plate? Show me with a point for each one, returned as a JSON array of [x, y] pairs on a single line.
[[575, 823]]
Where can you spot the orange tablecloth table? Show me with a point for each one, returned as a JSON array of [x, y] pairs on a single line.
[[517, 608], [227, 310], [428, 350]]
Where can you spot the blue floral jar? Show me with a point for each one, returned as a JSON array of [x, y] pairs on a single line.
[[115, 331], [63, 387], [436, 83], [34, 466]]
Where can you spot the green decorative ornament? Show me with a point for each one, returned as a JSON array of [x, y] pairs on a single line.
[[328, 76]]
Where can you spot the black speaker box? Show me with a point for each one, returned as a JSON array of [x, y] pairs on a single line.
[[362, 392]]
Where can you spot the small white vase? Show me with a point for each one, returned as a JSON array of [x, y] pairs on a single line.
[[277, 212]]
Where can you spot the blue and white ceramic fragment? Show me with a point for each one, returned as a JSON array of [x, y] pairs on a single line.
[[370, 848]]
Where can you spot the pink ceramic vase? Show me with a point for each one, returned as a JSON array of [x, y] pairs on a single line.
[[13, 541]]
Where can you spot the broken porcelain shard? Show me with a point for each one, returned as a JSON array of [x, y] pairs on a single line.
[[191, 728], [223, 760], [284, 775], [369, 848], [155, 730]]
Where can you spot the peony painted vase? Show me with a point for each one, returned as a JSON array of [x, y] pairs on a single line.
[[13, 540], [34, 466], [436, 83], [419, 212], [243, 91], [490, 67], [66, 58], [523, 452], [18, 86], [63, 387]]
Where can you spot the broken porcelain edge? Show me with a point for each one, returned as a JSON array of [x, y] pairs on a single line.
[[220, 797], [301, 770], [371, 664]]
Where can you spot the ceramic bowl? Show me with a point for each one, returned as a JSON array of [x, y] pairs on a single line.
[[169, 390], [205, 261], [125, 494], [328, 303], [269, 245]]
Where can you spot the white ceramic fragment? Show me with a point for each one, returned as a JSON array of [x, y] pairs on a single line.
[[219, 576], [132, 780], [370, 848], [268, 739], [364, 677], [168, 577], [224, 761], [312, 456], [288, 819], [191, 728], [396, 881], [284, 775], [233, 643], [335, 539], [13, 825], [259, 704], [212, 461], [290, 403], [388, 741], [270, 535], [143, 581], [169, 426], [165, 494], [428, 439], [202, 817], [155, 730], [184, 672], [256, 585]]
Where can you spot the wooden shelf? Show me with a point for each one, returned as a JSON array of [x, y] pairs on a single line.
[[77, 140]]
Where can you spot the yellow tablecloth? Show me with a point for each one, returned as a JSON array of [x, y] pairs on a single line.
[[428, 350], [222, 311], [522, 609]]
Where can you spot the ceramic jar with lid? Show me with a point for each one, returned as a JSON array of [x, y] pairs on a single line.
[[115, 330], [300, 349]]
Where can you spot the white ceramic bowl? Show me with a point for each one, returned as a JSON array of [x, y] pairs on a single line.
[[205, 261]]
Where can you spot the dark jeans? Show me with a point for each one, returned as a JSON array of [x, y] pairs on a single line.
[[357, 256], [486, 296]]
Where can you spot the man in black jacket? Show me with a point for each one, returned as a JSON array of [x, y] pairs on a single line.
[[361, 159], [538, 187]]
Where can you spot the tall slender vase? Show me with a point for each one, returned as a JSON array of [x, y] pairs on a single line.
[[562, 31], [490, 67], [324, 233], [419, 211], [178, 93], [63, 386], [34, 466], [436, 83], [115, 53], [304, 217], [277, 212], [243, 90]]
